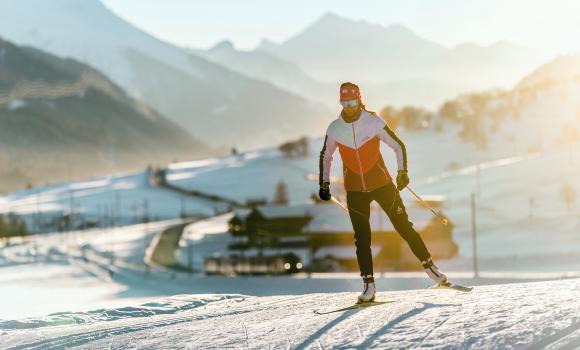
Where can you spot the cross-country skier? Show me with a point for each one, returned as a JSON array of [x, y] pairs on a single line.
[[357, 133]]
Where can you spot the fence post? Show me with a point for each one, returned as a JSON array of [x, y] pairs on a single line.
[[474, 236]]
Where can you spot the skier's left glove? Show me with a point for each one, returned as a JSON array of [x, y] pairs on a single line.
[[324, 192], [402, 179]]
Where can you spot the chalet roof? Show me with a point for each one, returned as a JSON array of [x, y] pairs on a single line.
[[433, 200], [330, 218], [285, 211], [241, 213]]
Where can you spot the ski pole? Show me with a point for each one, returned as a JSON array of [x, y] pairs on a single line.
[[345, 208], [443, 220], [338, 203]]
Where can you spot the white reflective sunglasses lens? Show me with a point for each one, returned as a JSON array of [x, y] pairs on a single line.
[[349, 103]]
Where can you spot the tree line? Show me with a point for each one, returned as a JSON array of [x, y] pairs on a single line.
[[11, 225]]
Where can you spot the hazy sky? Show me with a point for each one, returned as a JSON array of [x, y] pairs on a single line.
[[553, 25]]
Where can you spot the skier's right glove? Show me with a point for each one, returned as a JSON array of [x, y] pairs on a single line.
[[402, 179], [324, 192]]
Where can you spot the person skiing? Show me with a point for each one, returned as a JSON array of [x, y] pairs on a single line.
[[357, 134]]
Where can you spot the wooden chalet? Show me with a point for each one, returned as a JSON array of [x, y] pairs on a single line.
[[326, 233]]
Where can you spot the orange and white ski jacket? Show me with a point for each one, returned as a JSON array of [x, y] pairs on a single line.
[[358, 143]]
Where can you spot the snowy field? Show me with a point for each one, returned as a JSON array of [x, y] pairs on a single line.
[[531, 315], [72, 271]]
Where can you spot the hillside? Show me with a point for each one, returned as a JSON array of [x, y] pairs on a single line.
[[562, 68], [540, 112], [60, 118]]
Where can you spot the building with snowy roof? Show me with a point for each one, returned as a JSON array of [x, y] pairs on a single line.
[[325, 232]]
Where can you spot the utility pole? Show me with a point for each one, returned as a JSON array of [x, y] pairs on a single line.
[[190, 255], [38, 221], [474, 236], [111, 231], [71, 214], [182, 214], [145, 221], [118, 209], [478, 178]]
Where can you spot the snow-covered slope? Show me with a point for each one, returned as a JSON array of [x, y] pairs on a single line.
[[566, 67], [533, 315], [122, 198], [215, 104]]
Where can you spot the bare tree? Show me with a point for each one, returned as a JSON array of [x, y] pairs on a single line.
[[568, 196], [281, 195]]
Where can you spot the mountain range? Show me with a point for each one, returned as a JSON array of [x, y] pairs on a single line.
[[393, 65], [396, 65], [215, 104]]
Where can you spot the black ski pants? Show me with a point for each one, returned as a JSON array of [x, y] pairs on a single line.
[[390, 201]]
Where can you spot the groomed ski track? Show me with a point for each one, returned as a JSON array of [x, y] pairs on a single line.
[[538, 315]]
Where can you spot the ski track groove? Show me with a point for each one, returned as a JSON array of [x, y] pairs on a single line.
[[85, 337], [437, 327], [360, 335], [559, 336], [371, 324], [573, 345], [246, 340], [353, 320], [249, 318]]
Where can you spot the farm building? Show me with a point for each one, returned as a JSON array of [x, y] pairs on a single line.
[[321, 235]]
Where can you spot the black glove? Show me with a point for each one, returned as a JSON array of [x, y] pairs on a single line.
[[402, 179], [324, 192]]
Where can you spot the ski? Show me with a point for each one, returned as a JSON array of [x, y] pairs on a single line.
[[354, 307], [449, 285]]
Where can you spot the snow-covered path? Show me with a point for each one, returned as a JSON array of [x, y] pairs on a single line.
[[527, 315]]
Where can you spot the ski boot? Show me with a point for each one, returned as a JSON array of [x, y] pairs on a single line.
[[369, 290], [433, 272]]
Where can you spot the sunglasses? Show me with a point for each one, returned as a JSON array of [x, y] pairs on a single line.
[[349, 103]]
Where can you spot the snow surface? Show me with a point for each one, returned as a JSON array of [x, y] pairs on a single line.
[[127, 197], [528, 315], [72, 271]]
